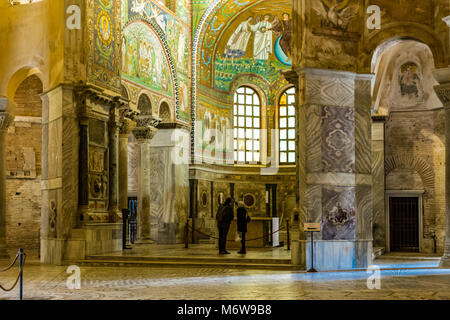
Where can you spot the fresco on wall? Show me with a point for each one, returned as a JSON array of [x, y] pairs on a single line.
[[144, 61], [338, 218], [258, 41], [410, 81]]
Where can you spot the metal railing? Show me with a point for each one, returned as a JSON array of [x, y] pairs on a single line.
[[21, 257]]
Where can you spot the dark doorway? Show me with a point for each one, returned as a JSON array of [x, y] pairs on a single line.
[[404, 224]]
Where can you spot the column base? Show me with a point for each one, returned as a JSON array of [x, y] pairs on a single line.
[[144, 241], [445, 262]]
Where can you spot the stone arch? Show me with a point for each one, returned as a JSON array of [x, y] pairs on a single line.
[[144, 104], [257, 83], [124, 92], [18, 77], [405, 31], [165, 112], [419, 165]]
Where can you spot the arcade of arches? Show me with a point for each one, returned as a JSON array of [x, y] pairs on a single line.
[[166, 108]]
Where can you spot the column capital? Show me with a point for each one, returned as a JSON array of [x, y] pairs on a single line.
[[126, 126], [443, 93], [127, 119], [5, 120], [145, 127]]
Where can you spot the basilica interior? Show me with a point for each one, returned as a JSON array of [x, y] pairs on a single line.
[[332, 114]]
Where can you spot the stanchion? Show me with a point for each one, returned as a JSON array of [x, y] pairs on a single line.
[[288, 235], [21, 274], [186, 241], [20, 256], [312, 253], [125, 214]]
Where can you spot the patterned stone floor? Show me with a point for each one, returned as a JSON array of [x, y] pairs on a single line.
[[201, 251], [49, 282]]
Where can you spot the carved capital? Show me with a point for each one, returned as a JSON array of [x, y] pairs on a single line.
[[144, 134], [146, 127], [126, 126], [5, 120], [443, 93]]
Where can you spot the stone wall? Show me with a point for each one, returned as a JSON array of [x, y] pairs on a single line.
[[23, 169], [415, 160]]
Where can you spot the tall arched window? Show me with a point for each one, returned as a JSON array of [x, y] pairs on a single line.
[[287, 126], [247, 126]]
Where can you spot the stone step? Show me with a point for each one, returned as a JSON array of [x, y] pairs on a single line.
[[183, 264], [377, 252], [190, 259]]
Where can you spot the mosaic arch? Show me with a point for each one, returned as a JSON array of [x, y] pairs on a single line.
[[148, 62]]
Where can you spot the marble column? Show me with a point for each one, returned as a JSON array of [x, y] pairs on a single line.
[[125, 130], [144, 132], [378, 190], [114, 127], [443, 92], [335, 181], [5, 121]]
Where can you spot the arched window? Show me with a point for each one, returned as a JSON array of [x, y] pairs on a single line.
[[247, 126], [287, 126]]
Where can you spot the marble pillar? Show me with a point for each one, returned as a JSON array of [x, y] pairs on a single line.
[[335, 166], [113, 144], [5, 121], [60, 170], [125, 130], [443, 92], [378, 190], [144, 132], [169, 175]]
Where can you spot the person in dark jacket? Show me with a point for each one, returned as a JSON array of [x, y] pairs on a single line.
[[225, 216], [242, 220]]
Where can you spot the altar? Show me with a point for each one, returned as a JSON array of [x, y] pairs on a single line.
[[259, 229]]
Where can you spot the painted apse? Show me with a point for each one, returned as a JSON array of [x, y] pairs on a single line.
[[246, 43], [239, 43]]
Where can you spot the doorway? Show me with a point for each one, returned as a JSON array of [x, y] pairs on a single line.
[[404, 224]]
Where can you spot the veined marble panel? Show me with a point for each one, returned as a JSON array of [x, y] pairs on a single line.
[[339, 179], [313, 138], [338, 139], [338, 216], [363, 123], [363, 212], [330, 88], [314, 203]]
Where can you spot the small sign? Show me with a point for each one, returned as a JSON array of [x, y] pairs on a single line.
[[312, 227]]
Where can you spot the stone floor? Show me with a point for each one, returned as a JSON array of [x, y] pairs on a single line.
[[400, 279], [201, 251]]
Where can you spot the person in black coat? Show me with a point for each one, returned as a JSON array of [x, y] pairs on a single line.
[[242, 220], [225, 216]]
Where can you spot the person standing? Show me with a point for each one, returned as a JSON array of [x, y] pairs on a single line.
[[242, 220], [224, 217]]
